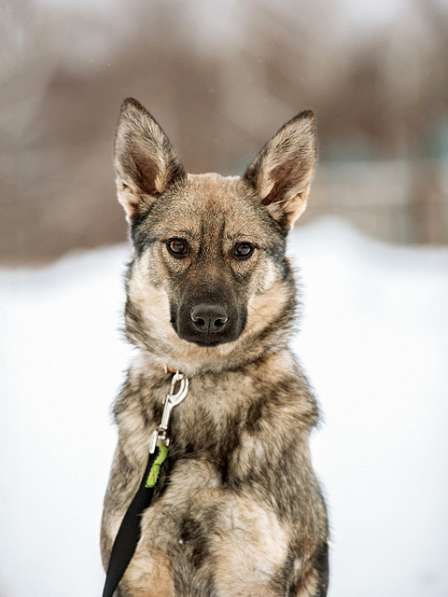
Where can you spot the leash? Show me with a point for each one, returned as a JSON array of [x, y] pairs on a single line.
[[129, 532]]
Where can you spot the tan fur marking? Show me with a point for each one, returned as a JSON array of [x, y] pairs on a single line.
[[264, 308], [250, 547], [149, 576]]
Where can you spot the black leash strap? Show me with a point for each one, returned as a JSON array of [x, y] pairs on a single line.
[[129, 532]]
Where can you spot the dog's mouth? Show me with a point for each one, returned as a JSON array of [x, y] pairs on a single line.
[[206, 342]]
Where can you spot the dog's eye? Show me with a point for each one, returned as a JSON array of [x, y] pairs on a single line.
[[243, 250], [178, 247]]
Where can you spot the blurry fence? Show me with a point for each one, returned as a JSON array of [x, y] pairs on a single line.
[[221, 77], [396, 201]]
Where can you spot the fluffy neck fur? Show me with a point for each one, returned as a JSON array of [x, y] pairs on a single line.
[[271, 322]]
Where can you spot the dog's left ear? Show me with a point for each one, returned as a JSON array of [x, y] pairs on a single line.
[[282, 173]]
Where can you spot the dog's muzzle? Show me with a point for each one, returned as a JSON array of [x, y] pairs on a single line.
[[208, 324]]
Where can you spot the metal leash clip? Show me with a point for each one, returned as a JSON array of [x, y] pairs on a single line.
[[180, 383]]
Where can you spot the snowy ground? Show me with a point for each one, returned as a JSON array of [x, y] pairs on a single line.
[[374, 342]]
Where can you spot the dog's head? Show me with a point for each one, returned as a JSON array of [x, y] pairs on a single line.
[[209, 275]]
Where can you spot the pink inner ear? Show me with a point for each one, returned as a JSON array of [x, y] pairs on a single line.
[[146, 173], [285, 176]]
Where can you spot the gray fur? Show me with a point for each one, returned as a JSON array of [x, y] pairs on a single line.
[[239, 511]]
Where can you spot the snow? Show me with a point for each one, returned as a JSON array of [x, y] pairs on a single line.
[[374, 342]]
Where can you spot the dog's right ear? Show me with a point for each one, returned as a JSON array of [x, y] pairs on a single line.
[[144, 159]]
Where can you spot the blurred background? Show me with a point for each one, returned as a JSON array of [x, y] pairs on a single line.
[[221, 77]]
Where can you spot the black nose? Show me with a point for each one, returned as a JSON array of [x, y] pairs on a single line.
[[209, 319]]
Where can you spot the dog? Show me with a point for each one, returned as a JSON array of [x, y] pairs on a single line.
[[211, 293]]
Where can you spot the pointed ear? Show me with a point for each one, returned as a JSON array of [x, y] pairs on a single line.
[[282, 173], [144, 159]]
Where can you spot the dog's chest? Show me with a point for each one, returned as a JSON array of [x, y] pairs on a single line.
[[206, 425], [209, 537], [204, 530]]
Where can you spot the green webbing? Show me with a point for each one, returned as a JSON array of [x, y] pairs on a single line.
[[153, 475]]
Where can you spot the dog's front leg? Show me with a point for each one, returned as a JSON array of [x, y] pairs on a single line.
[[322, 568], [148, 575], [120, 488], [315, 582], [149, 572]]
